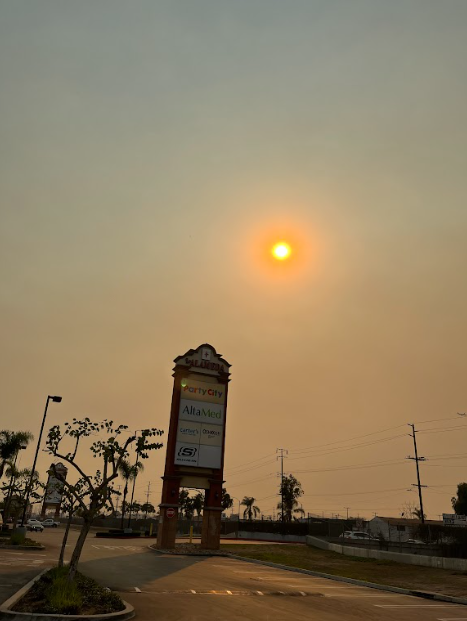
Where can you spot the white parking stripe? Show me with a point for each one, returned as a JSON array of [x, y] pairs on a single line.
[[415, 605]]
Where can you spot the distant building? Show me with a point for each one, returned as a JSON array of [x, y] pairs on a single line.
[[397, 529]]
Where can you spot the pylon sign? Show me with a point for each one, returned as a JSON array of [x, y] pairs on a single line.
[[195, 445], [54, 489]]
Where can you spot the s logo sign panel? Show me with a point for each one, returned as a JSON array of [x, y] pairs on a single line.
[[187, 454]]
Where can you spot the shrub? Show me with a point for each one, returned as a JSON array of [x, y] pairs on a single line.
[[63, 596], [16, 539]]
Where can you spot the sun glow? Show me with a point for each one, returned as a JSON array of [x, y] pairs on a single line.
[[281, 251]]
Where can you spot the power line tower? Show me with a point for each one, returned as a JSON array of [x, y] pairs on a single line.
[[416, 459], [282, 454]]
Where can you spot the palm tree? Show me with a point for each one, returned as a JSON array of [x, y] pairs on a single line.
[[198, 503], [10, 444], [251, 509], [128, 472]]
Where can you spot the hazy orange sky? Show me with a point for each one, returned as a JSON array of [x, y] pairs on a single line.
[[152, 151]]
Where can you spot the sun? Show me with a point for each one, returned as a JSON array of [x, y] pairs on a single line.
[[281, 251]]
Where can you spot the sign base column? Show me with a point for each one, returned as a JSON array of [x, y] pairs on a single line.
[[211, 528]]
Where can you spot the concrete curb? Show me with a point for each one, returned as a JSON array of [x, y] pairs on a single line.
[[11, 547], [198, 554], [11, 615], [438, 597]]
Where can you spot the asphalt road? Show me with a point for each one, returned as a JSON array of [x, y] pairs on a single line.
[[222, 589]]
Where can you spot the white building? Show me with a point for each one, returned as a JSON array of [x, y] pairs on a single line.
[[397, 529]]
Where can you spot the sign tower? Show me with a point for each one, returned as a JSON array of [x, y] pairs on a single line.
[[195, 445], [54, 490]]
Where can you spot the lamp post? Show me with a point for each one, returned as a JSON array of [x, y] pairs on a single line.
[[55, 399]]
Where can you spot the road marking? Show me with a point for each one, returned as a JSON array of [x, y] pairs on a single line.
[[453, 619], [414, 605], [137, 590]]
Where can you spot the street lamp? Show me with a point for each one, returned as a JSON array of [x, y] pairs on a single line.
[[55, 399]]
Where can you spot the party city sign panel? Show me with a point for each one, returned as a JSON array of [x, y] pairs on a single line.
[[201, 412], [202, 391]]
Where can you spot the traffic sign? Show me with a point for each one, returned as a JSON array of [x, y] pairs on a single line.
[[170, 513]]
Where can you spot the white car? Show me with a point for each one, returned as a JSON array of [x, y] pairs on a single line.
[[357, 534], [34, 525], [49, 523]]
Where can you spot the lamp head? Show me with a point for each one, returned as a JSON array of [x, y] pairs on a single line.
[[56, 399]]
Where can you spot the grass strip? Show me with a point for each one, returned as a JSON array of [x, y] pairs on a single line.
[[443, 581]]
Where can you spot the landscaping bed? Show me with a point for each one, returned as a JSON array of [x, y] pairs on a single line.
[[442, 581], [53, 594], [17, 542]]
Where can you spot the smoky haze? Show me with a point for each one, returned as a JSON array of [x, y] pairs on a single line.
[[152, 153]]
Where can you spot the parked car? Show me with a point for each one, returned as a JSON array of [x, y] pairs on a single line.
[[49, 523], [417, 542], [34, 525], [357, 534]]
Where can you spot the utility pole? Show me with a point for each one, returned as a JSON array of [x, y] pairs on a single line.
[[417, 459], [282, 452], [347, 512]]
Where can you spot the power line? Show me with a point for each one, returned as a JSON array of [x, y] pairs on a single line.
[[351, 448], [366, 435]]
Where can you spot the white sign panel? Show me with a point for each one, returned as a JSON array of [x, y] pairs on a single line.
[[188, 432], [210, 456], [211, 435], [186, 454], [452, 519], [201, 412], [54, 491]]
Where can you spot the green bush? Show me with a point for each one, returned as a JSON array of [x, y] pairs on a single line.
[[16, 539]]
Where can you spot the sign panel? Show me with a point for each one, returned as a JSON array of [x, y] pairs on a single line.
[[201, 411], [210, 456], [186, 454], [211, 435], [202, 391], [188, 432], [53, 494], [452, 519]]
